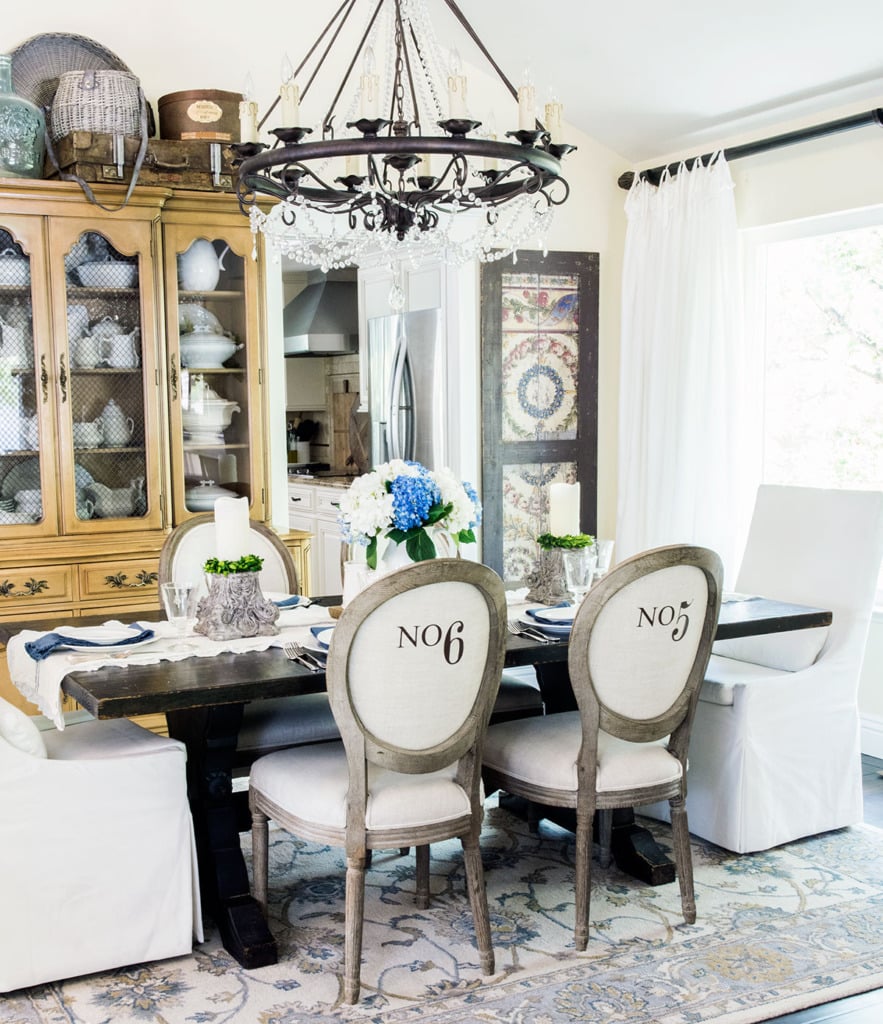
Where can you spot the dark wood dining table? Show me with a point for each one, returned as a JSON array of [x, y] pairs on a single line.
[[203, 698]]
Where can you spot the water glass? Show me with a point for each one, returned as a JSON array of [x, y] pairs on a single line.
[[604, 549], [179, 601], [579, 568]]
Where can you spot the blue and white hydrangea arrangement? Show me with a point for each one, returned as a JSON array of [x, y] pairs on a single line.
[[398, 500]]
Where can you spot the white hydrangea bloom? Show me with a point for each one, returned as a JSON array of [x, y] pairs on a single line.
[[454, 493], [366, 508]]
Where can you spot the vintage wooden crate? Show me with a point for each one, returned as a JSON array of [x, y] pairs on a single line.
[[171, 162]]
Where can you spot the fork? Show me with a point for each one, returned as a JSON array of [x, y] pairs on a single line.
[[295, 652], [516, 629]]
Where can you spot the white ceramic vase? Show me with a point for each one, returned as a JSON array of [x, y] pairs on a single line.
[[391, 556]]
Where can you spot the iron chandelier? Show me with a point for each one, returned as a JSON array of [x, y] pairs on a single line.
[[405, 178]]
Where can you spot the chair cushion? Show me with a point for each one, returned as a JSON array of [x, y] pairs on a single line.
[[311, 782], [111, 738], [286, 722], [723, 675], [788, 652], [543, 752], [20, 731]]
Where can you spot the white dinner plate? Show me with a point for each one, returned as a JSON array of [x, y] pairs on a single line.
[[323, 639], [107, 638], [545, 627], [552, 616]]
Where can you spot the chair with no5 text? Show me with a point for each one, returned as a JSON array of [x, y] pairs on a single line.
[[640, 643], [413, 670]]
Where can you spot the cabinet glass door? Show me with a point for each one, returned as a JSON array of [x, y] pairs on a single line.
[[213, 346], [106, 380], [27, 485]]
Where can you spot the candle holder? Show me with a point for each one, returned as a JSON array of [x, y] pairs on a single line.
[[458, 127], [235, 605], [546, 582], [290, 136]]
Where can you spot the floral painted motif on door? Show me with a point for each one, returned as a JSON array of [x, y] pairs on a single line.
[[539, 340]]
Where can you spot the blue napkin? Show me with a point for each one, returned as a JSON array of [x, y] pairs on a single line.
[[538, 616], [44, 645], [289, 602]]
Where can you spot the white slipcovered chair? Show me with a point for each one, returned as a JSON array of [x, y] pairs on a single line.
[[639, 646], [97, 860], [412, 672], [776, 749]]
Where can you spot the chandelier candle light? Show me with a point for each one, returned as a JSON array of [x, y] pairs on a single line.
[[392, 173]]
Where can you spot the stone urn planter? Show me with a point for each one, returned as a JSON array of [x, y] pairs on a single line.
[[235, 607]]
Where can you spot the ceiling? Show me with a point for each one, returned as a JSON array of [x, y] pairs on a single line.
[[649, 79]]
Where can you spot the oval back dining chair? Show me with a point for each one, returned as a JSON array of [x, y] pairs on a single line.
[[640, 643], [413, 670], [278, 721]]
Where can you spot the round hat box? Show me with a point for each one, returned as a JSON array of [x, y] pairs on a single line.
[[200, 114]]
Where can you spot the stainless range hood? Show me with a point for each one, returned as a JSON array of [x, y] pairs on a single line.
[[322, 320]]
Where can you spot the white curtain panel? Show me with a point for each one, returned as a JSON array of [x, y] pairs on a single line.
[[682, 373]]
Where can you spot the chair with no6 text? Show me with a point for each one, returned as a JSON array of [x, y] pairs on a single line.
[[413, 670], [640, 643]]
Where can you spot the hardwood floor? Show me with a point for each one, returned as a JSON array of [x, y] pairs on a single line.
[[867, 1008]]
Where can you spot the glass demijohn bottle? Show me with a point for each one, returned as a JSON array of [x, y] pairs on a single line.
[[21, 130]]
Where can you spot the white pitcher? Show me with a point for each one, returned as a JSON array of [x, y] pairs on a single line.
[[117, 426], [15, 345], [199, 269]]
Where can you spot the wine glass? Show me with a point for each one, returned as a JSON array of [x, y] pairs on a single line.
[[179, 601], [579, 567]]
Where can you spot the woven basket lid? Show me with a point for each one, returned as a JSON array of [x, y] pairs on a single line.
[[37, 63]]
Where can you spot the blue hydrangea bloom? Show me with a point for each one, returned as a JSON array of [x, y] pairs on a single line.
[[472, 494], [412, 498]]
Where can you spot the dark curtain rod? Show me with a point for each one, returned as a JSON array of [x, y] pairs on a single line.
[[845, 124]]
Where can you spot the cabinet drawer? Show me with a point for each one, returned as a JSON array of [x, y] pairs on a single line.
[[328, 500], [301, 498], [124, 579], [34, 585]]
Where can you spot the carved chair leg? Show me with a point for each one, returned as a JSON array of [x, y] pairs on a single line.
[[422, 856], [583, 885], [680, 834], [353, 922], [478, 900], [259, 857]]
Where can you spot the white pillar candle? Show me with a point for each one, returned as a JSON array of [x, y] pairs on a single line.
[[289, 97], [527, 105], [370, 87], [554, 111], [456, 88], [351, 166], [564, 510], [248, 121], [232, 531]]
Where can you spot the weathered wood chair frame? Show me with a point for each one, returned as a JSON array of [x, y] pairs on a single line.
[[595, 687], [353, 687]]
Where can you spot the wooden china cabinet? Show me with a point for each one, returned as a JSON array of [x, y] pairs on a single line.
[[102, 448]]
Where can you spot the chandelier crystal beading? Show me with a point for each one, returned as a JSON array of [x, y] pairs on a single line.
[[401, 181]]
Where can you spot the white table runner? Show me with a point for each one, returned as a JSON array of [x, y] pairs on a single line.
[[40, 681]]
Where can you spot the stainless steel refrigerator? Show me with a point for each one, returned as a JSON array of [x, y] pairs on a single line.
[[406, 381]]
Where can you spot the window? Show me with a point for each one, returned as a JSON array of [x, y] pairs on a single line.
[[816, 317]]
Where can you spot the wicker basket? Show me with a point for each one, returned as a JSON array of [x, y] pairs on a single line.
[[96, 101]]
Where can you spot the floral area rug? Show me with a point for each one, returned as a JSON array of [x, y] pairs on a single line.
[[775, 932]]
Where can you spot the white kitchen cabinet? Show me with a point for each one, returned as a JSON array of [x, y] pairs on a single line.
[[313, 507]]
